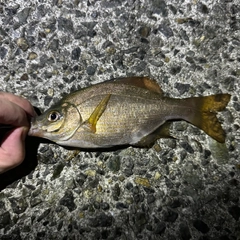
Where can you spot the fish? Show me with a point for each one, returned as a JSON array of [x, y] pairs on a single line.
[[125, 111]]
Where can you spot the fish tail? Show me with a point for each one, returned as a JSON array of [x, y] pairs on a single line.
[[205, 114]]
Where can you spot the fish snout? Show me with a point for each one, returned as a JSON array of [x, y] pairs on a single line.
[[34, 128]]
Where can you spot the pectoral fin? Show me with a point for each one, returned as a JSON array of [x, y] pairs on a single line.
[[96, 114], [162, 132]]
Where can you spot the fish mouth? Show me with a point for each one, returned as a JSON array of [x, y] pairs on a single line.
[[34, 132], [35, 129]]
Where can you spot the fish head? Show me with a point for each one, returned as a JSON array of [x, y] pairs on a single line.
[[59, 123]]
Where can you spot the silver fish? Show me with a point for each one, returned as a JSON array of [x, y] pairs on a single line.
[[128, 111]]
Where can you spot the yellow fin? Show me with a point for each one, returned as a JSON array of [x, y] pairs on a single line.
[[98, 111], [205, 116], [142, 82]]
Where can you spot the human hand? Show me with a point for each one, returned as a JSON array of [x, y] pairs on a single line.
[[14, 111]]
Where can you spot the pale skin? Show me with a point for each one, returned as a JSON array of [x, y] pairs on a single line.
[[15, 111]]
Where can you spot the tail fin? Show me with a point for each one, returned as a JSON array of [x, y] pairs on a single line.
[[205, 115]]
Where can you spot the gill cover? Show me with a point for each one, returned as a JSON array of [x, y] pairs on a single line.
[[59, 123]]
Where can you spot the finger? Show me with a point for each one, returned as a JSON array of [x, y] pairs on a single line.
[[12, 114], [12, 150], [21, 102]]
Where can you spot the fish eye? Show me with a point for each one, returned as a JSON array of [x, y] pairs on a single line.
[[54, 116]]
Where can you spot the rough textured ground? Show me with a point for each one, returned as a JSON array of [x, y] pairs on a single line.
[[186, 188]]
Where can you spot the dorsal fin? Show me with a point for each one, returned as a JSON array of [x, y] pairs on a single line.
[[142, 82]]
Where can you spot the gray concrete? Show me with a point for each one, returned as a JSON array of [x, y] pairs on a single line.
[[186, 188]]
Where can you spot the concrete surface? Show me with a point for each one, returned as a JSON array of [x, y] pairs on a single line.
[[187, 188]]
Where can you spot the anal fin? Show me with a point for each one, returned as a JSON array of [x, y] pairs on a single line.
[[161, 132]]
